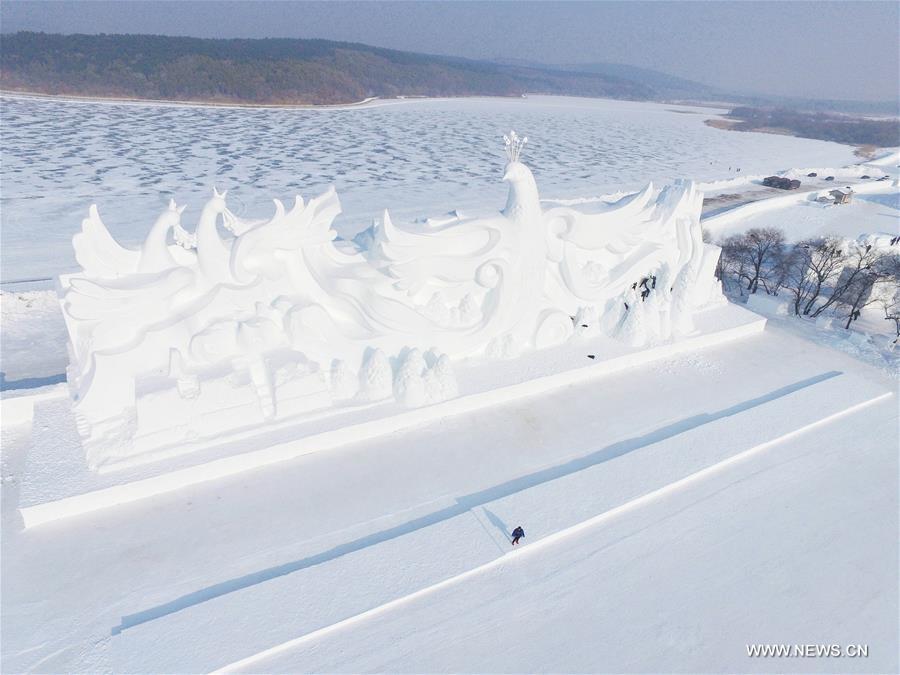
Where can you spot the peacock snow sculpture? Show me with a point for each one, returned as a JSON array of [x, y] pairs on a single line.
[[198, 337]]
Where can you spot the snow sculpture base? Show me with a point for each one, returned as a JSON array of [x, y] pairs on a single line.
[[58, 482]]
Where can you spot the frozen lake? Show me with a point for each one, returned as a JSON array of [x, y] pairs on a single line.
[[417, 157]]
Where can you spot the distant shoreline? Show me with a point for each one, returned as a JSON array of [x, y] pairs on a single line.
[[371, 102], [862, 150], [200, 104]]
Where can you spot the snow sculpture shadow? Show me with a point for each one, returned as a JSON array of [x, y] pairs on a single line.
[[195, 334]]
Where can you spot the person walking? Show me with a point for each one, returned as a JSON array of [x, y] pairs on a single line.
[[517, 534]]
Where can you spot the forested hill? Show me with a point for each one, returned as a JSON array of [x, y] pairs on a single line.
[[277, 71]]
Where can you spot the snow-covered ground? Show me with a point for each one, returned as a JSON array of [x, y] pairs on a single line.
[[684, 584], [675, 512], [802, 218], [33, 339], [794, 543]]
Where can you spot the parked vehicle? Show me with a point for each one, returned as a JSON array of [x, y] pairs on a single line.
[[781, 182]]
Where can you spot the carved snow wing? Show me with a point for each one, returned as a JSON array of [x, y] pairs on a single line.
[[198, 334]]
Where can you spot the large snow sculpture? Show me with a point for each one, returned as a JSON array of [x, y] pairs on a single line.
[[205, 334]]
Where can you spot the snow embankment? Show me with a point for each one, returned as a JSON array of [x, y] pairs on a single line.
[[851, 172], [730, 183], [844, 173], [870, 339], [34, 339], [755, 213]]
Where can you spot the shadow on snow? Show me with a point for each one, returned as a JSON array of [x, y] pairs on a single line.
[[463, 504]]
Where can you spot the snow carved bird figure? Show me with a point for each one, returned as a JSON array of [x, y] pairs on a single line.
[[526, 270], [476, 278], [102, 257], [124, 294], [213, 253], [285, 290]]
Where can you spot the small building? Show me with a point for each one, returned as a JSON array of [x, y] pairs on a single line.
[[841, 196]]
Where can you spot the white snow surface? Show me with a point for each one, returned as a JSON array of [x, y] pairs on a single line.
[[875, 208], [804, 218], [869, 338], [419, 157], [675, 512], [889, 159], [682, 584], [32, 340], [684, 578]]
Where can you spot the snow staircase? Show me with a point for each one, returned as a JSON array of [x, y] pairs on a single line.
[[356, 573]]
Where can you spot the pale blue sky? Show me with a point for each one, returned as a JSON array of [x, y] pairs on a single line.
[[812, 49]]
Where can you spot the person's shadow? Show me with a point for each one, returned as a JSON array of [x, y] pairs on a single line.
[[496, 522]]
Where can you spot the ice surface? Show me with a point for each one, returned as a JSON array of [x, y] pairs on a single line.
[[428, 156]]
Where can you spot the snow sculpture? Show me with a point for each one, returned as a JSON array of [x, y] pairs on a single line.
[[197, 334]]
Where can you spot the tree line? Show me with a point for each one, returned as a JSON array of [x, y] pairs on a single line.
[[819, 125], [819, 275], [275, 71]]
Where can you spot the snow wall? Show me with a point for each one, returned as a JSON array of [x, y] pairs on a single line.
[[195, 333]]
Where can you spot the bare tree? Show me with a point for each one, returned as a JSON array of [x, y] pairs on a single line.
[[733, 261], [887, 293], [779, 272], [750, 256], [862, 269], [878, 283], [859, 294], [811, 266], [764, 245]]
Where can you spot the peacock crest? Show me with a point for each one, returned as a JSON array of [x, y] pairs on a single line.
[[514, 145]]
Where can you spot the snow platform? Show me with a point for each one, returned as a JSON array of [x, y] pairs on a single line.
[[58, 484], [329, 583]]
